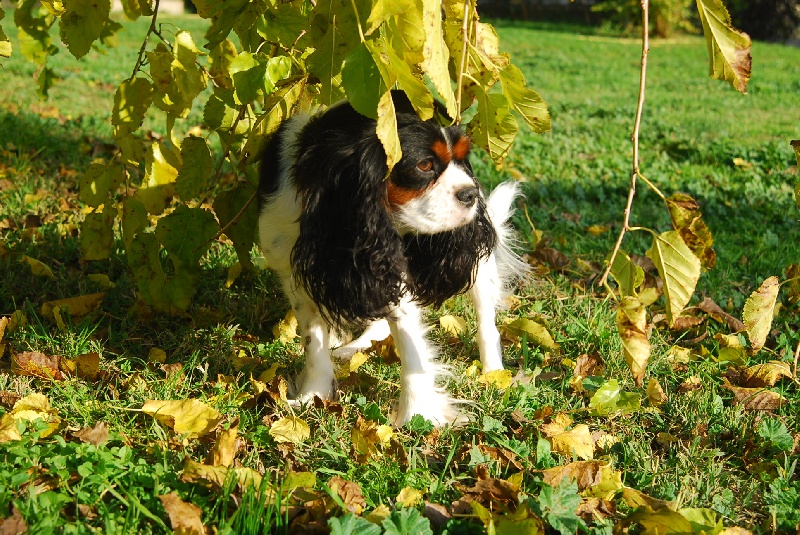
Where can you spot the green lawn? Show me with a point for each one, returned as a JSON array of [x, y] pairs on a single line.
[[697, 448]]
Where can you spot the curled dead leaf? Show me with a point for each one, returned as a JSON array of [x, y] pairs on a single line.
[[184, 517], [755, 399], [191, 417]]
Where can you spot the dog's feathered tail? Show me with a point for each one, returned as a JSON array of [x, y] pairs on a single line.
[[500, 205]]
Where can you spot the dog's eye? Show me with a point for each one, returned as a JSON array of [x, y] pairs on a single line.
[[425, 165]]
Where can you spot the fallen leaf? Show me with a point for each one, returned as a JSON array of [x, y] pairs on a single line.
[[30, 408], [224, 449], [453, 325], [101, 280], [589, 364], [233, 273], [733, 323], [290, 429], [500, 379], [14, 524], [409, 497], [755, 399], [96, 435], [534, 332], [189, 416], [184, 517], [575, 442], [194, 472], [156, 356], [655, 393], [350, 493], [37, 268], [766, 374], [286, 329], [366, 436], [758, 312], [597, 230], [87, 366], [77, 306], [37, 364]]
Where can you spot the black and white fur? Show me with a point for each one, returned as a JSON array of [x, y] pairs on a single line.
[[354, 247]]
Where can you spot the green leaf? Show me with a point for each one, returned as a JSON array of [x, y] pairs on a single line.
[[494, 127], [131, 102], [168, 295], [97, 234], [45, 81], [523, 100], [158, 186], [609, 399], [406, 34], [208, 8], [679, 269], [776, 433], [386, 130], [284, 22], [406, 521], [362, 81], [351, 524], [758, 312], [220, 110], [221, 57], [557, 507], [627, 274], [177, 79], [98, 181], [185, 234], [134, 220], [33, 31], [242, 233], [196, 169], [134, 9], [82, 24], [436, 55], [728, 48], [702, 520]]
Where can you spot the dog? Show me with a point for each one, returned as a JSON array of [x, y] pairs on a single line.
[[356, 246]]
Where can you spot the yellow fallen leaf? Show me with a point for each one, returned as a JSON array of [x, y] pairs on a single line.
[[30, 408], [766, 374], [379, 514], [351, 365], [453, 325], [286, 329], [409, 497], [534, 331], [217, 475], [655, 393], [77, 306], [17, 321], [290, 429], [576, 442], [224, 449], [102, 280], [596, 230], [269, 374], [156, 356], [474, 369], [37, 268], [500, 379], [233, 273], [191, 417]]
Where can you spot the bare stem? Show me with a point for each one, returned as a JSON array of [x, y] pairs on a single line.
[[463, 64], [635, 139], [151, 30]]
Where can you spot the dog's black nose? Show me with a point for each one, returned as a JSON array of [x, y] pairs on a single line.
[[467, 196]]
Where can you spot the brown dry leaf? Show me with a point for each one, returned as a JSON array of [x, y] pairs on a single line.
[[188, 416], [715, 311], [184, 517], [690, 385], [37, 364], [96, 435], [350, 493], [684, 323], [766, 374], [506, 457], [3, 322], [174, 372], [77, 306], [490, 492], [755, 399], [655, 393], [589, 364], [14, 524], [386, 350], [593, 509], [585, 473], [224, 449]]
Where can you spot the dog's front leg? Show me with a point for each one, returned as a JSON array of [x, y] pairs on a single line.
[[419, 391], [485, 294], [317, 378]]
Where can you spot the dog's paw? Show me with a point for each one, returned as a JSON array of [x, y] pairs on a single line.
[[435, 406], [323, 387]]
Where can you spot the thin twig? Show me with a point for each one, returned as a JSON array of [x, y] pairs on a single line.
[[635, 138], [231, 222], [462, 65], [151, 30]]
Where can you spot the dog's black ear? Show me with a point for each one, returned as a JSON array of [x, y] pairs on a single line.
[[445, 264], [348, 256]]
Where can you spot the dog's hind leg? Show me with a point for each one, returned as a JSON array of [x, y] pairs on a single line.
[[419, 391], [317, 378]]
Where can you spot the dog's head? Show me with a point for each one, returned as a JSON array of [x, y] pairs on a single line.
[[366, 238]]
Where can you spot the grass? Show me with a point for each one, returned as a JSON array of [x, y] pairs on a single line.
[[699, 449]]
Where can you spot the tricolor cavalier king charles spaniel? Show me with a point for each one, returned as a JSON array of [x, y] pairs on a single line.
[[357, 248]]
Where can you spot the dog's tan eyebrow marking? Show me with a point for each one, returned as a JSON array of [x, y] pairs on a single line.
[[442, 151], [461, 148]]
